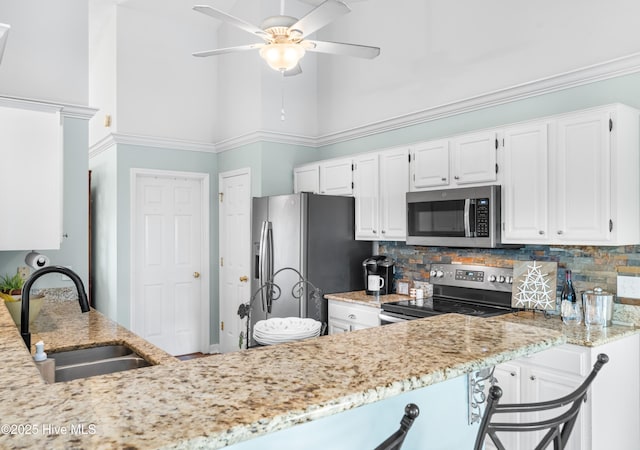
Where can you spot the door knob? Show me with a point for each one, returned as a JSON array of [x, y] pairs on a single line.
[[196, 274], [244, 278]]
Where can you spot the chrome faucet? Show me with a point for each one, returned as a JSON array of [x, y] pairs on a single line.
[[24, 314]]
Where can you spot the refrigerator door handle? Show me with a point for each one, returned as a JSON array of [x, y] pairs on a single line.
[[266, 264]]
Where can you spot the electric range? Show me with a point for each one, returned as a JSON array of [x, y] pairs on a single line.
[[463, 289]]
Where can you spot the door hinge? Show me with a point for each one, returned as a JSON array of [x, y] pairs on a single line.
[[221, 325], [352, 186], [610, 125], [409, 155], [221, 195], [353, 167], [496, 167], [221, 261], [496, 143], [610, 225]]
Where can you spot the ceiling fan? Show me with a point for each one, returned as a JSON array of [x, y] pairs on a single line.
[[284, 37]]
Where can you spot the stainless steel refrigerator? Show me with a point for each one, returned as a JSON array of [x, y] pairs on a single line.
[[313, 234]]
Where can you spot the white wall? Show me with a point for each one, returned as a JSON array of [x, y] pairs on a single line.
[[47, 50], [162, 90], [250, 93], [102, 66], [437, 51]]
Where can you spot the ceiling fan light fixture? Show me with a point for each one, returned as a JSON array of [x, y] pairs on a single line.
[[282, 56]]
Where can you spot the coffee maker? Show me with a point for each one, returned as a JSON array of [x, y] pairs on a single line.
[[382, 266]]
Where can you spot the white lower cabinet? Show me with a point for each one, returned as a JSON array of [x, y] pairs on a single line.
[[345, 316], [610, 417]]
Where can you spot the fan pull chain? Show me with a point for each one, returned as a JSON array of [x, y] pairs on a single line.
[[282, 100]]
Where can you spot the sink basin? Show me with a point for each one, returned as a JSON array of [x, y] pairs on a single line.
[[89, 362]]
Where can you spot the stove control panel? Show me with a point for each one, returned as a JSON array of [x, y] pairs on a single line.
[[472, 276]]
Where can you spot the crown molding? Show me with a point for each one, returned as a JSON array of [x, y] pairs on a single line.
[[148, 141], [265, 136], [597, 72], [65, 109]]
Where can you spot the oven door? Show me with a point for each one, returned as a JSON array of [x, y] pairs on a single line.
[[387, 318]]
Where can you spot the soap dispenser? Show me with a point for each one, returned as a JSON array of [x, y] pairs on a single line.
[[47, 367]]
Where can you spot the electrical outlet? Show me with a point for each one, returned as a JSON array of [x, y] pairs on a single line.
[[24, 272], [64, 277], [628, 286]]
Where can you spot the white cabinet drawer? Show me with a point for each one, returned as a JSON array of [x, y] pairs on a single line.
[[566, 358], [354, 313]]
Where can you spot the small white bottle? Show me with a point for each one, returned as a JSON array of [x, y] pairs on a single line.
[[47, 367]]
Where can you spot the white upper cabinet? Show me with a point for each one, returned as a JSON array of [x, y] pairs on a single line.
[[525, 198], [381, 181], [465, 160], [336, 177], [475, 158], [394, 184], [573, 179], [329, 177], [582, 173], [429, 165], [31, 181], [367, 193], [307, 178]]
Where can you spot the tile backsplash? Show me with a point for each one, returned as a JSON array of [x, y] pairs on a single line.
[[590, 266]]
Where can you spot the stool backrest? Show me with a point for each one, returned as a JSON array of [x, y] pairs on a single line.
[[558, 428]]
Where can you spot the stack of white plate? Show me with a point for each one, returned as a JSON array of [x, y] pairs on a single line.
[[285, 329]]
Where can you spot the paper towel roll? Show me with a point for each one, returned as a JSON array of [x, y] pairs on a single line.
[[36, 260]]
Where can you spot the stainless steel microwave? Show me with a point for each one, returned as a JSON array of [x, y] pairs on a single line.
[[461, 217]]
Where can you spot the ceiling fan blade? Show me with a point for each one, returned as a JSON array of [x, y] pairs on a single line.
[[297, 70], [320, 16], [340, 48], [222, 51], [221, 15]]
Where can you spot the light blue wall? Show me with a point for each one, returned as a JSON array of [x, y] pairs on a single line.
[[104, 212], [271, 165], [441, 425], [115, 170], [74, 248], [625, 89]]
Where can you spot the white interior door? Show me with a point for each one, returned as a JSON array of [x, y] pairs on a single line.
[[235, 255], [169, 282]]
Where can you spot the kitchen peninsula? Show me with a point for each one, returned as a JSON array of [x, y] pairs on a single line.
[[221, 400]]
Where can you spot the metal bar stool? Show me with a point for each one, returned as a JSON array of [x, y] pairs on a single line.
[[394, 442], [559, 427]]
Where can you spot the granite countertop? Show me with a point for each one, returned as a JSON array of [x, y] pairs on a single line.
[[577, 335], [362, 298], [219, 400]]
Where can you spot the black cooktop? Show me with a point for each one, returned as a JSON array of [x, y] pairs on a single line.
[[434, 306]]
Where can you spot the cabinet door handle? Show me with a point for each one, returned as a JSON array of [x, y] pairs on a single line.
[[541, 232], [374, 232], [560, 231], [513, 374], [383, 232], [532, 378], [352, 316], [444, 179], [456, 177]]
